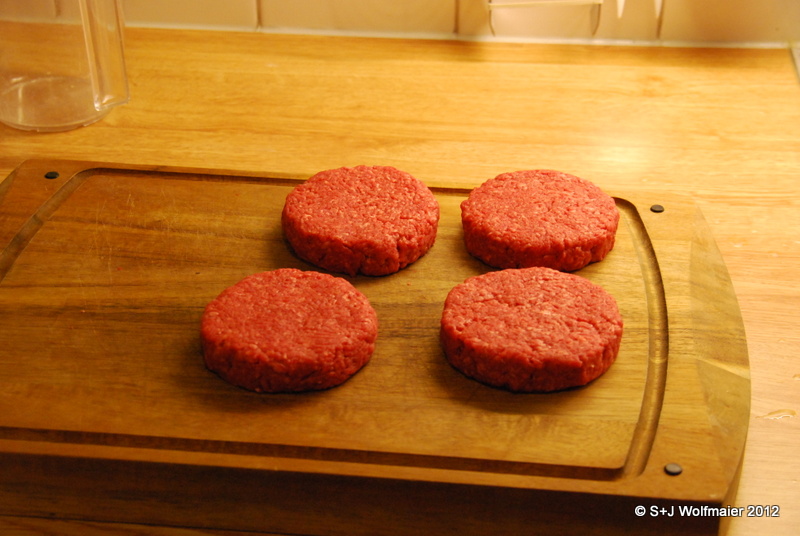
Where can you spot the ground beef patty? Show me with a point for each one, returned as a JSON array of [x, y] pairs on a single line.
[[539, 218], [288, 331], [531, 329], [372, 220]]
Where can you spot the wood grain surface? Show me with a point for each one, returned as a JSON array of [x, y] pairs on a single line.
[[101, 291], [720, 126]]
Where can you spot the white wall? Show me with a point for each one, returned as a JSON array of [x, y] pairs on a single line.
[[710, 21]]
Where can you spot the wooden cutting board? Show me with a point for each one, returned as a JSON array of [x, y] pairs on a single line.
[[107, 412]]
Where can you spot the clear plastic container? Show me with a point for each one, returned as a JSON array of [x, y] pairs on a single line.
[[61, 63]]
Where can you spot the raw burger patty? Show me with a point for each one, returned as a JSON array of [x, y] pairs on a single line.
[[288, 331], [539, 218], [531, 329], [372, 220]]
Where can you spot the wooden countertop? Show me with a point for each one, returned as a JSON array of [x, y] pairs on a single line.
[[721, 125]]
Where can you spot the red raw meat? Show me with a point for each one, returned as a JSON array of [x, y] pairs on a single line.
[[287, 331], [539, 218], [531, 329], [372, 220]]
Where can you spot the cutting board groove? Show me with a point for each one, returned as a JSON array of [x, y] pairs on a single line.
[[658, 347]]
